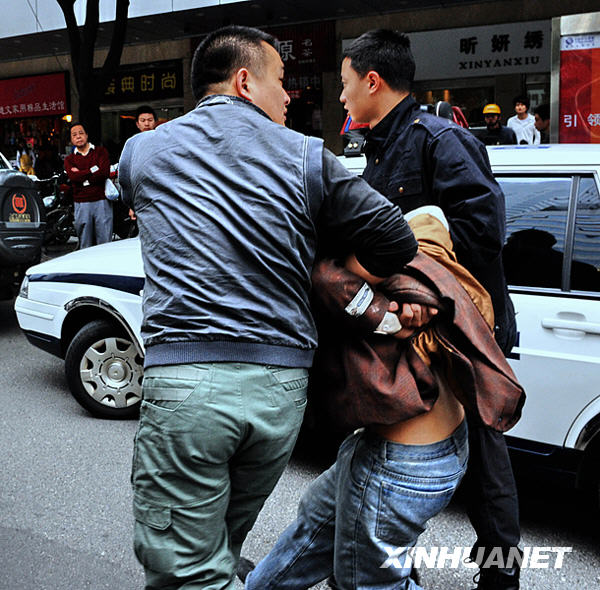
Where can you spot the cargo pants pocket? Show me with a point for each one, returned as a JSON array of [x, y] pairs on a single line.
[[152, 538]]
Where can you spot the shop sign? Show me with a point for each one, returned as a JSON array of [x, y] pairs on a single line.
[[306, 51], [579, 118], [33, 96], [145, 82], [512, 48]]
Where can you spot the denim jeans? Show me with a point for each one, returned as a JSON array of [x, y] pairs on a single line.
[[375, 499], [212, 441]]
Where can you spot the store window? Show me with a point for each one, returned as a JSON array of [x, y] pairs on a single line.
[[118, 122], [157, 84], [307, 51], [538, 89], [469, 99]]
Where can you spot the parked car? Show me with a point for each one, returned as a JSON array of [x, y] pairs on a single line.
[[22, 222], [86, 307]]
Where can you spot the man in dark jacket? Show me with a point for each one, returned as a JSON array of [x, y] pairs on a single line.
[[228, 200], [417, 159], [495, 133]]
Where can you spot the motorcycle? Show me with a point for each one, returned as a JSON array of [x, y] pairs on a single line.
[[59, 209], [58, 203]]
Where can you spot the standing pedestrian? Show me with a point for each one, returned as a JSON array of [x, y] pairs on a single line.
[[145, 118], [26, 165], [227, 217], [88, 167], [523, 123], [541, 114], [496, 133]]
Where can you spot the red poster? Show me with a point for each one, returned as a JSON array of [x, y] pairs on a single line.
[[579, 120], [33, 96]]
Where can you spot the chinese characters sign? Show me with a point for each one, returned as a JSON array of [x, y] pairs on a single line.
[[145, 82], [307, 49], [306, 52], [512, 48], [579, 119], [33, 96]]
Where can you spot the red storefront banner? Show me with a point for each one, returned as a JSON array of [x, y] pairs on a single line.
[[33, 96], [579, 120]]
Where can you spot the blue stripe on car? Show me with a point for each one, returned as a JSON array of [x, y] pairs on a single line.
[[120, 283]]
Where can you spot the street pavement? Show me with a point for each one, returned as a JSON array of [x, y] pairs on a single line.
[[65, 499]]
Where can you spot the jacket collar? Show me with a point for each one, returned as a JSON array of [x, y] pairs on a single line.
[[390, 124], [213, 99]]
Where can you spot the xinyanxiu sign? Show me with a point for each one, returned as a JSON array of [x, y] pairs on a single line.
[[513, 48]]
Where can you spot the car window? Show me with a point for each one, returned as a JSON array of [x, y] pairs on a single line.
[[536, 219], [585, 265]]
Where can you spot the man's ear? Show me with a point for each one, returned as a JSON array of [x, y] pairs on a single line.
[[374, 81], [242, 85]]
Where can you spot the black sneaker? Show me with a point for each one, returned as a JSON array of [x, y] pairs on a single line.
[[245, 566], [493, 578], [415, 576]]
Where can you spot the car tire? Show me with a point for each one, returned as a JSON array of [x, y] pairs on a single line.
[[104, 371]]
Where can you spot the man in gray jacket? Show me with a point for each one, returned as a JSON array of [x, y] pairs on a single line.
[[228, 202]]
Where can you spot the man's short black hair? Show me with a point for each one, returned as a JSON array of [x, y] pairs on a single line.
[[223, 52], [522, 99], [385, 52], [143, 110], [543, 111], [75, 124]]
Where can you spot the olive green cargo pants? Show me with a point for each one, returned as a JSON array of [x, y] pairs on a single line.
[[212, 441]]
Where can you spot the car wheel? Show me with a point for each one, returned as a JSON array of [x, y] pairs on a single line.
[[104, 371]]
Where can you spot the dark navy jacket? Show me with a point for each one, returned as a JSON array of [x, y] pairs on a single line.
[[498, 136], [417, 159]]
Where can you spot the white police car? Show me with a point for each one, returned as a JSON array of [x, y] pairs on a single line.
[[86, 307]]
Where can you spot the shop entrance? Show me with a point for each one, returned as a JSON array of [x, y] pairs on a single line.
[[118, 122], [470, 99]]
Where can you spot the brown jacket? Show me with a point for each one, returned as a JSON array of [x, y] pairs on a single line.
[[374, 379]]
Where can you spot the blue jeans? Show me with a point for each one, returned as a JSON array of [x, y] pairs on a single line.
[[375, 500]]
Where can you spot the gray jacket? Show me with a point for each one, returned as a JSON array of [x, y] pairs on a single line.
[[228, 203]]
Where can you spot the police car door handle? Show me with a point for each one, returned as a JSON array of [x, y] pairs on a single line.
[[579, 326]]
